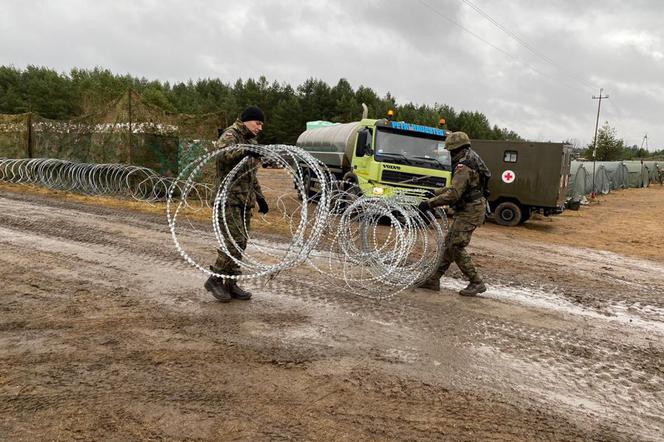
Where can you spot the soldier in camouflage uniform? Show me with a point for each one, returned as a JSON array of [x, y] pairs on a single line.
[[242, 196], [466, 196], [660, 174]]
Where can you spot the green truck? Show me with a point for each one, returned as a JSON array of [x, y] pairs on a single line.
[[527, 177], [380, 157]]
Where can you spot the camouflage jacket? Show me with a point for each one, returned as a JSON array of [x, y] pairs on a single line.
[[245, 188], [464, 180]]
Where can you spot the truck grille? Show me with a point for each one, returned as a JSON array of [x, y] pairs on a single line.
[[399, 178]]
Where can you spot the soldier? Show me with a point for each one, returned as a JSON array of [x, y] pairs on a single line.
[[466, 196], [660, 174], [244, 193]]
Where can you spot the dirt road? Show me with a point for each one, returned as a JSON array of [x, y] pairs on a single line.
[[105, 333]]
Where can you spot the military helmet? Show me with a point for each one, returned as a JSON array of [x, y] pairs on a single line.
[[456, 140]]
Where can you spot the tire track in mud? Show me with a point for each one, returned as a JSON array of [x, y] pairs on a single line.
[[92, 377], [618, 383], [101, 230], [610, 380]]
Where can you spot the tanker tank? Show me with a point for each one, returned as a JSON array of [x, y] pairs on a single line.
[[332, 145]]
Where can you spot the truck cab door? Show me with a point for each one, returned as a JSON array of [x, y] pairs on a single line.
[[363, 152]]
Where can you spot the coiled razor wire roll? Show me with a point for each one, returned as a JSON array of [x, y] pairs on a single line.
[[139, 183], [305, 235], [368, 246], [382, 246]]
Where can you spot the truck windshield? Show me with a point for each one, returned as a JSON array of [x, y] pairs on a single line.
[[422, 150]]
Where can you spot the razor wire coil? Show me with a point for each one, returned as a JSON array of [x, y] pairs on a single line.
[[136, 182], [370, 246]]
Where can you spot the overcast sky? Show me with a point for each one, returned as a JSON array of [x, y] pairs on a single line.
[[535, 76]]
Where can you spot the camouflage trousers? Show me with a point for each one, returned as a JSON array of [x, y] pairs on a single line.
[[236, 226], [456, 241]]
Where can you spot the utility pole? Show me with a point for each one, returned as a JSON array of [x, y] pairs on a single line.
[[645, 140], [599, 104]]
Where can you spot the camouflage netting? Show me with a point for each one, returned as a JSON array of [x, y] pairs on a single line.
[[154, 139], [190, 150], [200, 126], [197, 133], [14, 136]]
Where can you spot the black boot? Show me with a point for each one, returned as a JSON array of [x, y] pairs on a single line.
[[217, 287], [473, 289], [237, 292]]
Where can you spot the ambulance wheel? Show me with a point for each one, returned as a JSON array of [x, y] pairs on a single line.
[[508, 214], [525, 216]]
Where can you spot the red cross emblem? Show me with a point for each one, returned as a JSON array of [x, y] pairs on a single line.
[[508, 176]]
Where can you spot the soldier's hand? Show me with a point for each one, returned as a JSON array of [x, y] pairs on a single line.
[[429, 194], [252, 154], [262, 206], [424, 207]]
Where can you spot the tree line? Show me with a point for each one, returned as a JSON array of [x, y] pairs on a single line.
[[611, 148], [62, 96]]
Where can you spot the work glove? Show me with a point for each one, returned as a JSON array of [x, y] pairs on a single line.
[[262, 206], [424, 207], [252, 154], [429, 194]]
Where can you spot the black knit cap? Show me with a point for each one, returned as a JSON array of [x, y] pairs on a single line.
[[252, 113]]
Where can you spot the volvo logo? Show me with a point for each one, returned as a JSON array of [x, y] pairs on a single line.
[[390, 166]]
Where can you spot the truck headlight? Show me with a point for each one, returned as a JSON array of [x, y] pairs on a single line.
[[378, 190]]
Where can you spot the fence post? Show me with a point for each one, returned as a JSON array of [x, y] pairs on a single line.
[[29, 140], [130, 131]]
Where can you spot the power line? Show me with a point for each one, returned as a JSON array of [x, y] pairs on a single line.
[[523, 43], [513, 57]]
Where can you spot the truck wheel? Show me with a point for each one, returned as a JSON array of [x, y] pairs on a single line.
[[348, 192], [525, 215], [308, 185], [508, 214]]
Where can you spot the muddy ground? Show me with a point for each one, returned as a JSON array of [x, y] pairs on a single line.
[[105, 333]]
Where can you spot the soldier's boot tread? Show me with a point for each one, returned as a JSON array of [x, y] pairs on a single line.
[[473, 289], [238, 292], [218, 289]]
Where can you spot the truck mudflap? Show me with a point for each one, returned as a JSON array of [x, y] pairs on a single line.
[[548, 211]]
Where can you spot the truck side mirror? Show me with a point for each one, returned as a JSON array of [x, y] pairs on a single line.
[[363, 141]]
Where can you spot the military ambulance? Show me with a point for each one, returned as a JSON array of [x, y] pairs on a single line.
[[527, 177]]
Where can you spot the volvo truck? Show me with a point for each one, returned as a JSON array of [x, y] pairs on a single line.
[[381, 157]]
